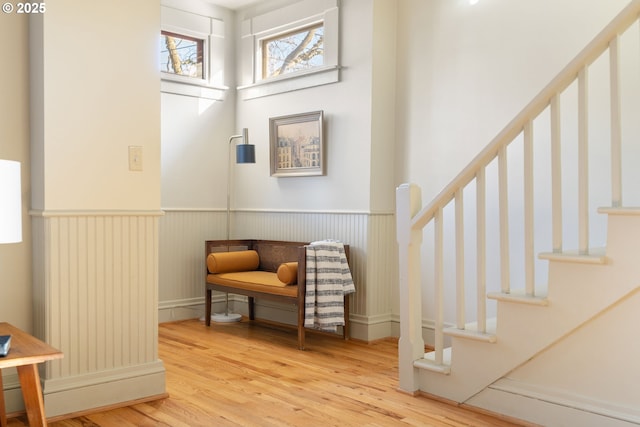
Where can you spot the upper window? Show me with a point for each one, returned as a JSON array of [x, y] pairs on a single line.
[[182, 55], [293, 51], [191, 50], [290, 48]]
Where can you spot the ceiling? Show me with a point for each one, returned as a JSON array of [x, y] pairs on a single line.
[[233, 4]]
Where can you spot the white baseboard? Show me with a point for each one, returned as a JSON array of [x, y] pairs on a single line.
[[174, 310], [98, 389], [371, 328], [364, 328], [12, 392], [192, 308], [551, 407]]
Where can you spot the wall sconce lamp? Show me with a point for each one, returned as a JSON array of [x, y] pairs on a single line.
[[10, 202], [245, 153]]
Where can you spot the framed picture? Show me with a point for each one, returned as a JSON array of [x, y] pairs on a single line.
[[297, 145]]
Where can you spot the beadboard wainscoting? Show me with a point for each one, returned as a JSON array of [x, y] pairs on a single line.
[[96, 298], [182, 266], [371, 237]]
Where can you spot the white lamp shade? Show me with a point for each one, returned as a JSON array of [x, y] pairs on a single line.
[[10, 202]]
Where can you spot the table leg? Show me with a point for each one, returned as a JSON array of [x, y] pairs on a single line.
[[32, 394], [3, 408]]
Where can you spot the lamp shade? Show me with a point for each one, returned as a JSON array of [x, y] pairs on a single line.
[[245, 153], [10, 202]]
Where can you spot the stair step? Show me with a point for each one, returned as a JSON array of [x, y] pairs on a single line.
[[429, 362], [595, 256], [471, 332], [619, 210], [520, 297]]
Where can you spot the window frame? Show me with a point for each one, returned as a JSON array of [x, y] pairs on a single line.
[[203, 52], [281, 21], [261, 50], [211, 30]]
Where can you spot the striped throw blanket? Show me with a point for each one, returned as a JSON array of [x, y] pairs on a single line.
[[328, 280]]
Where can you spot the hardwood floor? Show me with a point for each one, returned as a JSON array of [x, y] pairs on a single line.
[[245, 374]]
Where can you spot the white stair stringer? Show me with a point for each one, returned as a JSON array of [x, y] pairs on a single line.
[[575, 382], [577, 292]]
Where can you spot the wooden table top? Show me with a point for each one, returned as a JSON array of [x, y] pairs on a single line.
[[25, 349]]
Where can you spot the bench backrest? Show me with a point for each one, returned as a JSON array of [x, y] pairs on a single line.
[[272, 253]]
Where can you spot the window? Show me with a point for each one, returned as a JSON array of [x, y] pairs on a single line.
[[293, 51], [191, 51], [182, 55], [290, 48]]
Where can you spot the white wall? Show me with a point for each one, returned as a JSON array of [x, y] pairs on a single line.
[[94, 88], [194, 139], [105, 109], [347, 108], [15, 259], [360, 124], [383, 102], [463, 73], [354, 202], [195, 131]]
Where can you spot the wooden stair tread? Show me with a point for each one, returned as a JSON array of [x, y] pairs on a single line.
[[519, 296], [595, 256], [470, 331], [428, 362], [611, 210]]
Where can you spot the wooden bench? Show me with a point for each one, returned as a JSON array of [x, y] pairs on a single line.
[[271, 253]]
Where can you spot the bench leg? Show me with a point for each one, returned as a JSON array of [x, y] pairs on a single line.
[[301, 336], [252, 310], [301, 326], [346, 327], [207, 308]]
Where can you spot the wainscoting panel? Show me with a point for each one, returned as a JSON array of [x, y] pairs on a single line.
[[182, 237], [96, 299], [349, 228], [373, 258], [182, 268], [382, 269]]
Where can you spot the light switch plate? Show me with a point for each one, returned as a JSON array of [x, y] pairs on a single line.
[[135, 158]]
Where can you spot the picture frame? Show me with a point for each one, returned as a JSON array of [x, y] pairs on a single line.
[[297, 144]]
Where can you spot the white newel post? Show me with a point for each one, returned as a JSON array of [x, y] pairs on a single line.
[[411, 344]]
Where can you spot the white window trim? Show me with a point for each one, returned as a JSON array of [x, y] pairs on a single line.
[[210, 30], [280, 21]]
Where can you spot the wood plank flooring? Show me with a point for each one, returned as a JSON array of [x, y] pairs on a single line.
[[251, 374]]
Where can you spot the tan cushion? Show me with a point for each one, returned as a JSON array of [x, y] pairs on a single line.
[[257, 281], [288, 273], [227, 262]]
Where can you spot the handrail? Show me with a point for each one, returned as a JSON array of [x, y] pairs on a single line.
[[567, 76]]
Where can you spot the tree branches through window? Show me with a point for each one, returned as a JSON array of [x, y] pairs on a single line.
[[182, 55], [294, 51]]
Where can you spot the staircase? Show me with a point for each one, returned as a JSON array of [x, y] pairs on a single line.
[[502, 340]]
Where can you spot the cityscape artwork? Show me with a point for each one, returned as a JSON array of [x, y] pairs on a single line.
[[297, 145]]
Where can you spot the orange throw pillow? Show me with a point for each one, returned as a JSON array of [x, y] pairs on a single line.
[[229, 262]]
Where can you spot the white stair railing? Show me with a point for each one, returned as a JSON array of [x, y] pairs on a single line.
[[411, 220]]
